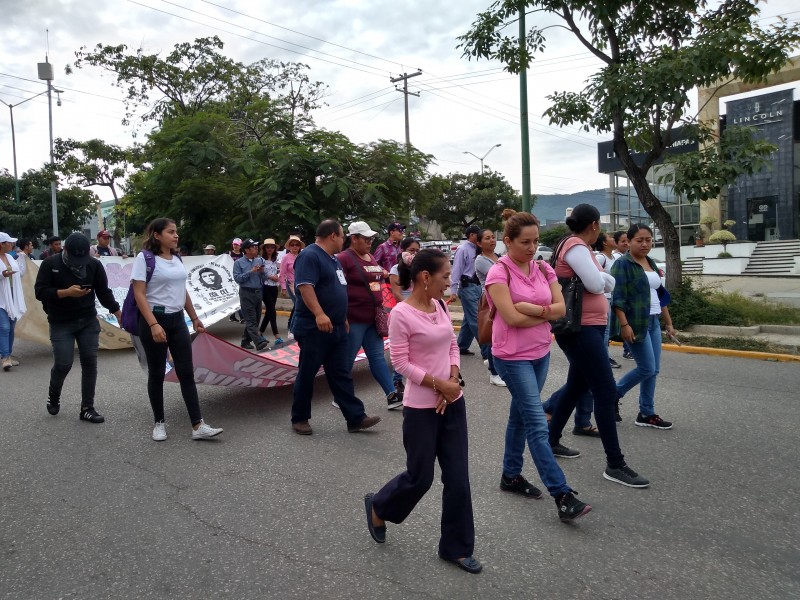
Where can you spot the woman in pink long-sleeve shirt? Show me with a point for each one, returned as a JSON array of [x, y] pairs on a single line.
[[424, 349], [286, 274]]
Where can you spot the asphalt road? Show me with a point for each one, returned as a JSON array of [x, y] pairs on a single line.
[[101, 511]]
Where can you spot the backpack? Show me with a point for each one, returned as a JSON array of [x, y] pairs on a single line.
[[130, 312]]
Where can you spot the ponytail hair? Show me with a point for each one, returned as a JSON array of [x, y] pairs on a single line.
[[156, 226], [429, 259]]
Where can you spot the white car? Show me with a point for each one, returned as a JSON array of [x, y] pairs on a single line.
[[544, 253]]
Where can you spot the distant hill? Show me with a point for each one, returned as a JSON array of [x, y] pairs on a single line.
[[553, 207]]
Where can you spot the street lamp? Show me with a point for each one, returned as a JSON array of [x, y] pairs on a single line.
[[482, 158], [14, 140], [46, 73]]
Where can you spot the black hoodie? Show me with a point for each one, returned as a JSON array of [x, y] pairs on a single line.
[[54, 275]]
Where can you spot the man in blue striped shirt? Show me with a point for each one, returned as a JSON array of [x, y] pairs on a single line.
[[465, 286], [248, 272]]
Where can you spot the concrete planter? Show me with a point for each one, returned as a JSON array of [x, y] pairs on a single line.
[[737, 249], [725, 266]]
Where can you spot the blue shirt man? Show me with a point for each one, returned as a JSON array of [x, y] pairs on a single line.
[[248, 272], [320, 328], [466, 287]]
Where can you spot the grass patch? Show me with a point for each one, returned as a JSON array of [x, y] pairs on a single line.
[[734, 343], [694, 304]]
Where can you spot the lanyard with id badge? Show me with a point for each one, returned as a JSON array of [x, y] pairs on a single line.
[[340, 275]]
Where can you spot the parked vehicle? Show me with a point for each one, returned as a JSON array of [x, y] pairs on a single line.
[[544, 253]]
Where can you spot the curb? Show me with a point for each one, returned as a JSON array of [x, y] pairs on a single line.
[[725, 352], [771, 356]]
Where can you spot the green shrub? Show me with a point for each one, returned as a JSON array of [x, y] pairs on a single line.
[[695, 304], [724, 255]]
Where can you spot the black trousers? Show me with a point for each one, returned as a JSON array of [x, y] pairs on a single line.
[[179, 345], [428, 436], [269, 294]]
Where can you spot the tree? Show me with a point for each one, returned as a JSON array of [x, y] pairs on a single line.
[[473, 198], [654, 54], [32, 216], [551, 235], [724, 237], [95, 163]]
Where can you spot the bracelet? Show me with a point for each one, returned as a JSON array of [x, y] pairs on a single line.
[[545, 310], [154, 324], [434, 383], [624, 325]]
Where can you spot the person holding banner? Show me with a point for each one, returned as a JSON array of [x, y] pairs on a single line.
[[161, 302], [12, 301]]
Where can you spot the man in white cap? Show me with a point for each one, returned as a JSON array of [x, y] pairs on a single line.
[[66, 286], [210, 250]]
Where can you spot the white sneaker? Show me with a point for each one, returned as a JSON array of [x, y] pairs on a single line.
[[497, 380], [7, 364], [485, 362], [205, 431], [333, 404], [14, 361], [290, 336], [160, 431]]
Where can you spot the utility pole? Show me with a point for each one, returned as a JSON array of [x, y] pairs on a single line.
[[523, 110], [404, 78]]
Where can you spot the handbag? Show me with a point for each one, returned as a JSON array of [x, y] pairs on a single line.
[[572, 290], [381, 317], [486, 314]]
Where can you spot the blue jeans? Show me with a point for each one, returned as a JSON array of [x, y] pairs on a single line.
[[583, 407], [328, 350], [486, 354], [525, 380], [7, 326], [364, 335], [589, 371], [647, 354], [469, 297], [63, 337]]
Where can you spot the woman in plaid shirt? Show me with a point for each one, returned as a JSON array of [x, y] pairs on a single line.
[[639, 300]]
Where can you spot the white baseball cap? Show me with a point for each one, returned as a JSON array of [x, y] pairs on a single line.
[[4, 237], [360, 228]]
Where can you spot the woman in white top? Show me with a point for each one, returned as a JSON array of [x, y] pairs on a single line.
[[12, 300], [483, 262], [161, 302]]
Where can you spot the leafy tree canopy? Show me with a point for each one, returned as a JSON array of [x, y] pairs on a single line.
[[653, 55]]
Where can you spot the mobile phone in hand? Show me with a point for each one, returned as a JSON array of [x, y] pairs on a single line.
[[85, 286]]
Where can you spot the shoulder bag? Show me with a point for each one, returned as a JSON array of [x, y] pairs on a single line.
[[486, 314], [572, 290]]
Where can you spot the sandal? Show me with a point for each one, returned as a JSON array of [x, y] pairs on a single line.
[[590, 431]]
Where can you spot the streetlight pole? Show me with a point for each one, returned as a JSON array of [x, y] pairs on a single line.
[[46, 73], [14, 140], [482, 158]]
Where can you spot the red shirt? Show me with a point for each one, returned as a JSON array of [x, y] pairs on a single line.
[[359, 273]]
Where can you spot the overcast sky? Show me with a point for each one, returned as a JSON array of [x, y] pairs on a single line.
[[354, 46]]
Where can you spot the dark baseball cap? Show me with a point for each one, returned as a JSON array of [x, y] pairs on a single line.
[[395, 226], [77, 248], [249, 243]]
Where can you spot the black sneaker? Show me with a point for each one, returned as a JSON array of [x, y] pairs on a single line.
[[263, 346], [628, 356], [400, 387], [562, 451], [53, 406], [652, 421], [520, 485], [570, 508], [394, 400], [466, 353], [233, 319], [247, 345], [614, 364], [626, 476], [91, 415]]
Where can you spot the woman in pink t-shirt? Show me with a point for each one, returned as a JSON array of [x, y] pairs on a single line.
[[526, 295], [424, 349]]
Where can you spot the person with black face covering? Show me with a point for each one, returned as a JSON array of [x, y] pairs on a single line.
[[66, 285]]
